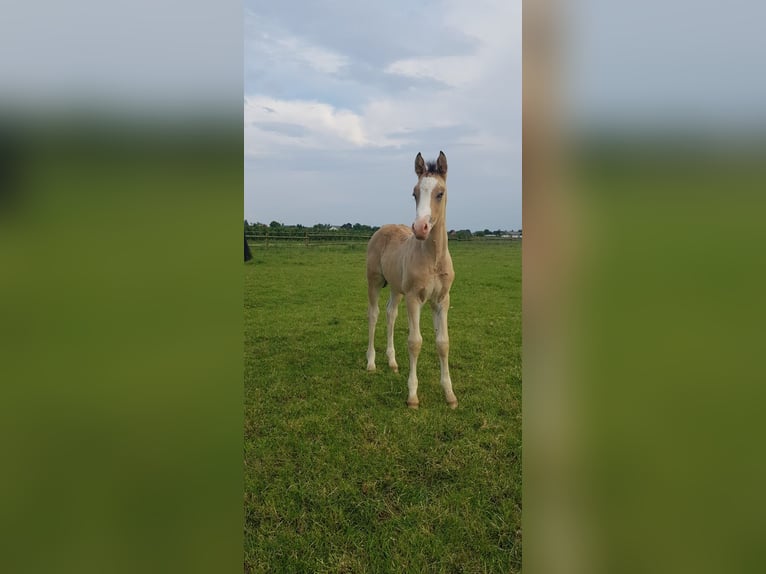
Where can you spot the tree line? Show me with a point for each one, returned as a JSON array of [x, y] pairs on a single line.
[[278, 228]]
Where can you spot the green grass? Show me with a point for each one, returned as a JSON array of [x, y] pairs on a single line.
[[340, 476]]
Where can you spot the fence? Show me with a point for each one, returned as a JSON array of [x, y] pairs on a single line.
[[307, 239], [338, 238]]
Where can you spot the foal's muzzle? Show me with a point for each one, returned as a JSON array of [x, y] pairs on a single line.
[[421, 228]]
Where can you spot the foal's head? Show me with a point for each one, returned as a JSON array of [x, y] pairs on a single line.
[[430, 194]]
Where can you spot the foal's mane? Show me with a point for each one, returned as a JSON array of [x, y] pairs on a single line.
[[431, 168]]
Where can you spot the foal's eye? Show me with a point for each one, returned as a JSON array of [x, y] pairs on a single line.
[[439, 195]]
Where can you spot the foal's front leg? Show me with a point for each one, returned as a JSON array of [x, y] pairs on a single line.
[[392, 310], [414, 343], [440, 310]]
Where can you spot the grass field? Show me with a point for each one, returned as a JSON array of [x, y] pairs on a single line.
[[340, 476]]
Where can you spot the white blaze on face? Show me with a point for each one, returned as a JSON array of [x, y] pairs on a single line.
[[422, 223], [427, 185]]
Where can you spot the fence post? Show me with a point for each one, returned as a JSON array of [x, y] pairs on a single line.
[[306, 238]]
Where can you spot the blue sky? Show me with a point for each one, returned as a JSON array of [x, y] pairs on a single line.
[[341, 96]]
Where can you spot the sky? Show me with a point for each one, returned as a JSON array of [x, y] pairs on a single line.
[[340, 96], [664, 63]]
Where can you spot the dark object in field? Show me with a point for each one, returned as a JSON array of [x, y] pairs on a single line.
[[248, 255], [10, 171]]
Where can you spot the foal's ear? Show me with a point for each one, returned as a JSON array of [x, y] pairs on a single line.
[[420, 165], [441, 163]]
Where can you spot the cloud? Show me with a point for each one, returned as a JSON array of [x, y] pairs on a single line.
[[494, 28], [329, 97], [454, 71], [286, 48], [477, 90], [271, 124]]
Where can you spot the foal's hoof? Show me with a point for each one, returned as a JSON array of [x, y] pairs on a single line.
[[371, 368], [394, 368], [452, 405], [413, 404]]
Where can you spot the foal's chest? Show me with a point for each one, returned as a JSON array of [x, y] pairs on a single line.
[[435, 287]]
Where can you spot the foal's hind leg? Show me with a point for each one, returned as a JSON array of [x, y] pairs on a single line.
[[392, 310], [374, 285]]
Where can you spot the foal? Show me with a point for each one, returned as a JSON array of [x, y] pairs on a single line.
[[417, 265]]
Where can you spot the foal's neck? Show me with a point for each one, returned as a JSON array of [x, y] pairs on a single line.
[[436, 244]]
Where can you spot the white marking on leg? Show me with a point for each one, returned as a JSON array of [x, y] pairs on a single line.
[[414, 343], [392, 310], [372, 318], [440, 311]]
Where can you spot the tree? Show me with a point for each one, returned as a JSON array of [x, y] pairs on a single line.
[[275, 225]]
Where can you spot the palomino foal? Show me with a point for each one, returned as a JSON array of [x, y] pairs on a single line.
[[417, 265]]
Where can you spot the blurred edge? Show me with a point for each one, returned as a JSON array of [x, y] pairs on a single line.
[[121, 345], [554, 531], [121, 291], [643, 305]]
